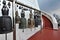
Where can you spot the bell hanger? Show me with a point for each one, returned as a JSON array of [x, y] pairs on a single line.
[[20, 7], [4, 2], [22, 11], [17, 5], [9, 4]]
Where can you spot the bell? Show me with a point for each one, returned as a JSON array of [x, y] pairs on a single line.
[[17, 18], [30, 22], [36, 21], [5, 20], [39, 20], [22, 24], [5, 24]]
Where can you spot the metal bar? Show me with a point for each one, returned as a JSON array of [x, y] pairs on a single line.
[[23, 5], [26, 6], [6, 36], [13, 15], [10, 0]]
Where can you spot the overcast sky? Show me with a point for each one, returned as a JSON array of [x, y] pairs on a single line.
[[49, 5]]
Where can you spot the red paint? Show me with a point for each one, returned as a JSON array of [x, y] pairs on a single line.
[[46, 33], [46, 22]]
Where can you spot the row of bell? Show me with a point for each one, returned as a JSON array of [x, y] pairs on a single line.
[[6, 21], [31, 21]]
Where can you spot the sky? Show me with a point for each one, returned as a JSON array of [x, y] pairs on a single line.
[[49, 5]]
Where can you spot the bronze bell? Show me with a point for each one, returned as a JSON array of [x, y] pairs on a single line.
[[22, 24], [17, 18], [30, 21], [5, 24]]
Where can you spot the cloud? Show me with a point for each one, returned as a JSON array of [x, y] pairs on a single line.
[[49, 5]]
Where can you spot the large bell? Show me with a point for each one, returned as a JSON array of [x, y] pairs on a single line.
[[5, 24]]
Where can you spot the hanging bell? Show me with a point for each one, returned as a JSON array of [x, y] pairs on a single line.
[[5, 20], [30, 22], [5, 24], [17, 17], [22, 24]]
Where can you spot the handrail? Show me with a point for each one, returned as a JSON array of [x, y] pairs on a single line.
[[10, 0], [26, 6]]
